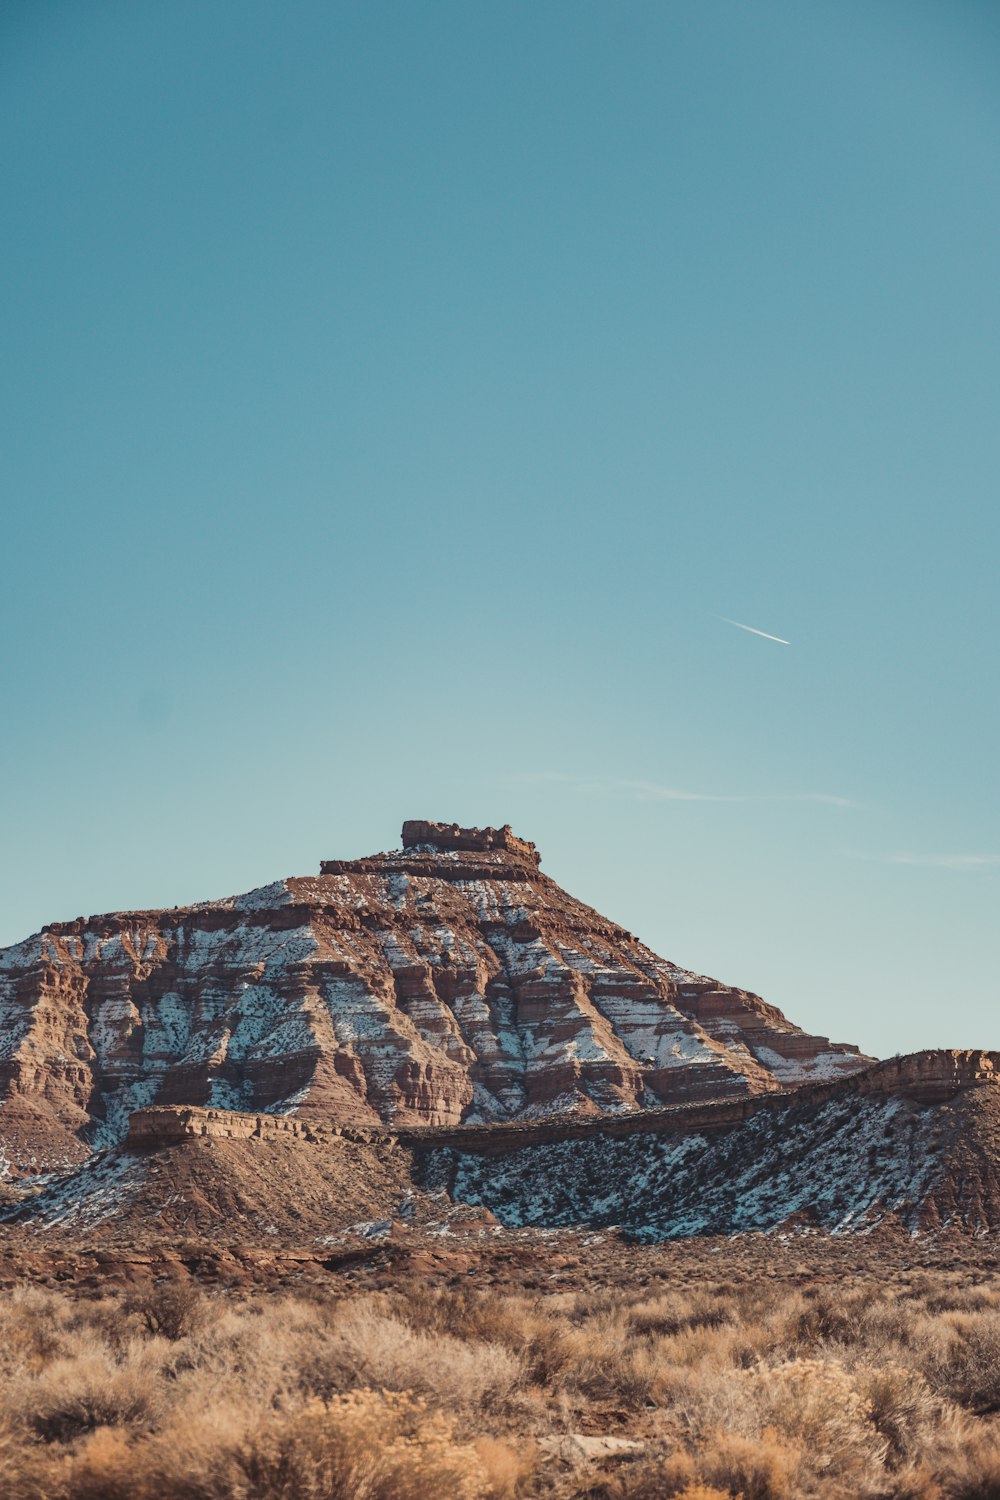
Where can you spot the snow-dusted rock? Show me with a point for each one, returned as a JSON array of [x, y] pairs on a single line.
[[449, 982]]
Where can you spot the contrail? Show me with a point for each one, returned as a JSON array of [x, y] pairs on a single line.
[[780, 639]]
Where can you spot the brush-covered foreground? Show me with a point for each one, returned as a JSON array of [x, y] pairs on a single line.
[[657, 1385]]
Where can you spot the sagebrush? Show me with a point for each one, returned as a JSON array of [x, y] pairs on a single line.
[[758, 1391]]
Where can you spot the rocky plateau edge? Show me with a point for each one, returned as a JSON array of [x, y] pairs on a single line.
[[450, 982]]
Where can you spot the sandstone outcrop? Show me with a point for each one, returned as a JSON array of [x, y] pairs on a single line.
[[448, 982], [441, 837], [170, 1124], [914, 1141], [935, 1076]]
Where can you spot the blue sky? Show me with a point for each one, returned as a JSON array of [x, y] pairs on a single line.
[[398, 395]]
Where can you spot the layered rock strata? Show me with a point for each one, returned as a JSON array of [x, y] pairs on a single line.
[[170, 1124], [912, 1142], [450, 981], [836, 1157], [935, 1076]]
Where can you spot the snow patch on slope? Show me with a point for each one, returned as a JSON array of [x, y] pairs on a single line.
[[99, 1191], [846, 1166]]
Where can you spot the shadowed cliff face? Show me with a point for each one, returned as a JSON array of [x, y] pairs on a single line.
[[915, 1141], [451, 982]]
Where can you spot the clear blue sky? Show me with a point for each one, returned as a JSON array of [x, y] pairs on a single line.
[[396, 395]]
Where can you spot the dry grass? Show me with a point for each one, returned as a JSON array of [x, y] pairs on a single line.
[[757, 1392]]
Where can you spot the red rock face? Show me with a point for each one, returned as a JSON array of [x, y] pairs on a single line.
[[450, 982], [913, 1142]]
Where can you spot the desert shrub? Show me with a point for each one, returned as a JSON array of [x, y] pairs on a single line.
[[827, 1317], [975, 1474], [815, 1403], [917, 1482], [545, 1342], [672, 1312], [962, 1299], [102, 1469], [171, 1309], [254, 1354], [803, 1407], [887, 1326], [965, 1468], [759, 1468], [728, 1466], [359, 1446], [75, 1395], [628, 1377], [767, 1393], [971, 1369], [34, 1329], [656, 1476], [706, 1348], [22, 1466], [506, 1469], [363, 1446], [367, 1348], [903, 1409]]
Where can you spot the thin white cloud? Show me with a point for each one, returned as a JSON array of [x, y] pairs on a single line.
[[779, 638], [652, 791], [936, 861]]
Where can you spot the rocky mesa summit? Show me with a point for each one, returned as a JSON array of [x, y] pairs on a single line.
[[448, 982]]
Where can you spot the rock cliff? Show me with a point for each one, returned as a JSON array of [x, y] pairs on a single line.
[[912, 1143], [448, 982], [915, 1141]]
